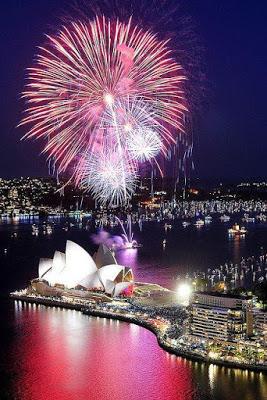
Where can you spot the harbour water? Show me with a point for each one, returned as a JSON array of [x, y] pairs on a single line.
[[48, 353]]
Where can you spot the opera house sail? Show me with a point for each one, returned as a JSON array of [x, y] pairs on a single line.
[[76, 270]]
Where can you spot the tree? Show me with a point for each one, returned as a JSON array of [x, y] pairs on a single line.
[[260, 290]]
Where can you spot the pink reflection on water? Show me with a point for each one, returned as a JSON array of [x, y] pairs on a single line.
[[63, 354]]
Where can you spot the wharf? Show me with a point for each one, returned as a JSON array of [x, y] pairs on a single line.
[[163, 342]]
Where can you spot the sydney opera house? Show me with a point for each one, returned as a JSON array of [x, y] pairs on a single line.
[[76, 273]]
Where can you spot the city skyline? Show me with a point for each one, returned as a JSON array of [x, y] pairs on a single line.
[[228, 136]]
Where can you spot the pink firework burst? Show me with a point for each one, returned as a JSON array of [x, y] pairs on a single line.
[[83, 69]]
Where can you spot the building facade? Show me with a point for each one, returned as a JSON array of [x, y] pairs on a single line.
[[260, 324], [220, 317]]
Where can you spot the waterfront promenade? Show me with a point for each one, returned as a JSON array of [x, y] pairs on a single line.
[[160, 325]]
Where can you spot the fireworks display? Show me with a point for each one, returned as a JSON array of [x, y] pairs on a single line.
[[107, 96], [111, 177], [143, 144]]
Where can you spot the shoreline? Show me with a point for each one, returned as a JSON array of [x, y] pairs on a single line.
[[131, 319]]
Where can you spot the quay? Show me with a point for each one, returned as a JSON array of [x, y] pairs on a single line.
[[156, 325]]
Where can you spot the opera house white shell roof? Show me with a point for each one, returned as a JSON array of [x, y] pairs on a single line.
[[109, 272], [77, 268], [45, 264]]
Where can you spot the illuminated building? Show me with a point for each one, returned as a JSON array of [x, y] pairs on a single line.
[[26, 195], [220, 317], [76, 269], [260, 324], [13, 193]]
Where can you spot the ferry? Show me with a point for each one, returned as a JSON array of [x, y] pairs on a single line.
[[237, 230]]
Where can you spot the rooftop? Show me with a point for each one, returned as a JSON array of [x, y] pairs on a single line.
[[225, 295]]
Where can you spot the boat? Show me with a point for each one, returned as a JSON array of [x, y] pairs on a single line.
[[130, 245], [237, 230], [49, 229], [248, 219], [224, 218], [261, 217], [185, 224], [167, 226], [199, 223], [127, 236], [208, 219], [35, 230]]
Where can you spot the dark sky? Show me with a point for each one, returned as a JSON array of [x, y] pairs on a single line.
[[230, 135]]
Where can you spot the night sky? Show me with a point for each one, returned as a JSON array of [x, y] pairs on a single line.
[[231, 132]]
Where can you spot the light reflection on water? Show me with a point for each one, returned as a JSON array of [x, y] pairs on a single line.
[[186, 250], [49, 353], [63, 354]]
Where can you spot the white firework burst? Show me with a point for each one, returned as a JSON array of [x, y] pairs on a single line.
[[143, 144], [109, 177], [134, 114]]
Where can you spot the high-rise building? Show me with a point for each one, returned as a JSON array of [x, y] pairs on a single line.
[[221, 317], [260, 324]]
